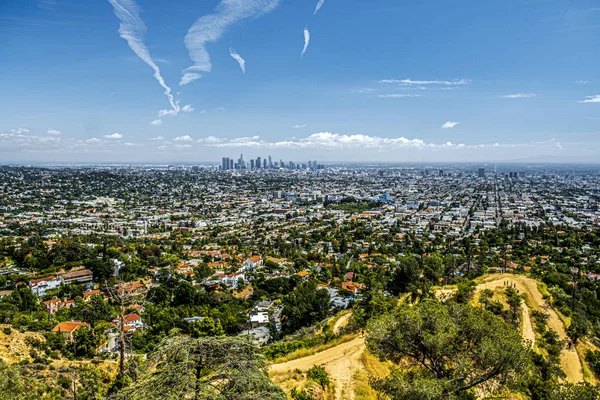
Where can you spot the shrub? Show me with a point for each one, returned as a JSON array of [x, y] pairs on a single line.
[[593, 358], [301, 395], [319, 375]]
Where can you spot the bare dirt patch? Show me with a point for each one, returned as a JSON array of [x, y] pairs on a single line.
[[341, 362]]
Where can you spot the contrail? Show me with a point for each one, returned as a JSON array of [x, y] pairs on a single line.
[[306, 41], [210, 28], [132, 29], [239, 59], [319, 5]]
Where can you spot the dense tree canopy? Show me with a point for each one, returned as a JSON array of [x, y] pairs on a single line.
[[452, 348], [212, 368]]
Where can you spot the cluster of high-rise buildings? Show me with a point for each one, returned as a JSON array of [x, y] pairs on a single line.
[[228, 163]]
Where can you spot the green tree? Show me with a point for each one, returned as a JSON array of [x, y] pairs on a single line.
[[85, 342], [404, 276], [453, 347], [206, 327], [306, 305], [24, 299], [224, 368]]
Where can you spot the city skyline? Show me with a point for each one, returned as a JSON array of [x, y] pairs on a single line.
[[120, 81]]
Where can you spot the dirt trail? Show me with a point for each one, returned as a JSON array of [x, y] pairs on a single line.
[[340, 362], [569, 359], [341, 322], [527, 329]]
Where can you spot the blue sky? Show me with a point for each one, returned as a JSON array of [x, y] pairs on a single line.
[[379, 81]]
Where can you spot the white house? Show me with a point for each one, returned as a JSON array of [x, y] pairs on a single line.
[[232, 279], [259, 318], [39, 286], [252, 263]]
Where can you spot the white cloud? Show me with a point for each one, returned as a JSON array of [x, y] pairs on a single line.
[[132, 29], [299, 126], [187, 108], [189, 77], [239, 59], [163, 113], [210, 140], [449, 124], [455, 82], [327, 140], [157, 138], [362, 90], [128, 144], [319, 5], [306, 41], [210, 28], [582, 82], [559, 146], [20, 131], [220, 109], [591, 99], [519, 96], [53, 132], [156, 122], [186, 138], [182, 146], [93, 140], [114, 136], [397, 96]]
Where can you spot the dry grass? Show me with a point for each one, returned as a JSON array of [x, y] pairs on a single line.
[[362, 389], [582, 347], [13, 347], [375, 368]]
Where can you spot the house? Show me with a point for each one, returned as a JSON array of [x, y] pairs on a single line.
[[52, 306], [232, 279], [264, 305], [69, 328], [87, 295], [353, 287], [303, 275], [133, 288], [4, 293], [131, 322], [253, 263], [258, 318], [259, 335], [40, 286], [80, 277]]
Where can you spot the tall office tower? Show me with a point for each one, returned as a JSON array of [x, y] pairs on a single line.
[[441, 173], [251, 164], [291, 165], [225, 165], [230, 162], [270, 162], [481, 173], [258, 163], [281, 164], [315, 164], [265, 163], [309, 164], [241, 162]]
